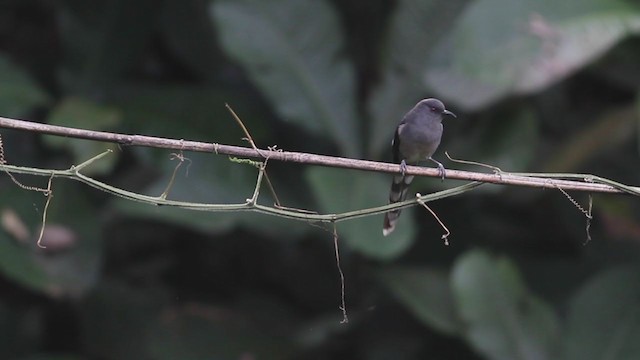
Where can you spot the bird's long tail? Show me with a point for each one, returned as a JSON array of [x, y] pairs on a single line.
[[398, 193]]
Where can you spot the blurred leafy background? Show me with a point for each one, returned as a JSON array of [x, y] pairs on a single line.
[[538, 85]]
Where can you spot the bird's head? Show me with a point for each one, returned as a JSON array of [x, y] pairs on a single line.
[[435, 106]]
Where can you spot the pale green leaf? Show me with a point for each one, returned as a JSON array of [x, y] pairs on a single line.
[[339, 190], [85, 114], [503, 319], [294, 52], [189, 112], [68, 271], [16, 264], [427, 294], [18, 92], [604, 317], [524, 47]]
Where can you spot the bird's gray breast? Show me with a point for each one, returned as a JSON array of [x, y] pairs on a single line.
[[419, 140]]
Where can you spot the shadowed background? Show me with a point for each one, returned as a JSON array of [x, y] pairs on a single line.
[[538, 86]]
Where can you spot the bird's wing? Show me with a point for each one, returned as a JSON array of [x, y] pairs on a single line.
[[395, 144]]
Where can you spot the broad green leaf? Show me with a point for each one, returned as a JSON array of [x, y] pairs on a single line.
[[604, 317], [197, 113], [504, 320], [415, 27], [189, 112], [340, 190], [524, 46], [294, 52], [427, 294], [68, 271], [16, 261], [85, 114], [18, 92], [508, 140], [583, 40]]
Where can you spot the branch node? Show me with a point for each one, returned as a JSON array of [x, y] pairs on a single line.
[[173, 156], [77, 168], [15, 181], [255, 148]]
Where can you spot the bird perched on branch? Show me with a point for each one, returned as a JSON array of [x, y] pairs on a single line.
[[417, 137]]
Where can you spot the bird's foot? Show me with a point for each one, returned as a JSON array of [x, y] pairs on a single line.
[[441, 170], [403, 167]]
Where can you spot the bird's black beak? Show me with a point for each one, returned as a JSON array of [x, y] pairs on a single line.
[[447, 112]]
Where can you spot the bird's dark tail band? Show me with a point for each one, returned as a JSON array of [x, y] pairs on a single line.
[[398, 193]]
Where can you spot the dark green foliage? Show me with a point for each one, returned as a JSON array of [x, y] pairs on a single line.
[[537, 86]]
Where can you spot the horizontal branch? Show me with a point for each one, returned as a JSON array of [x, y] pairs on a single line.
[[251, 204], [577, 182]]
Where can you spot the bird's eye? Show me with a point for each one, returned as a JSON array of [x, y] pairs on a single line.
[[433, 108]]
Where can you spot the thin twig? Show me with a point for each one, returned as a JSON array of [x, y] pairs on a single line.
[[467, 162], [303, 211], [343, 303], [575, 203], [244, 129], [44, 213], [2, 160], [445, 236], [181, 159], [586, 212], [254, 198], [589, 218]]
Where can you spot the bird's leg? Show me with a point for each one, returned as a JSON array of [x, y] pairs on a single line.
[[403, 167], [441, 170]]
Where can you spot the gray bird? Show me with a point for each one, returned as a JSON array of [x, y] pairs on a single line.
[[417, 137]]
